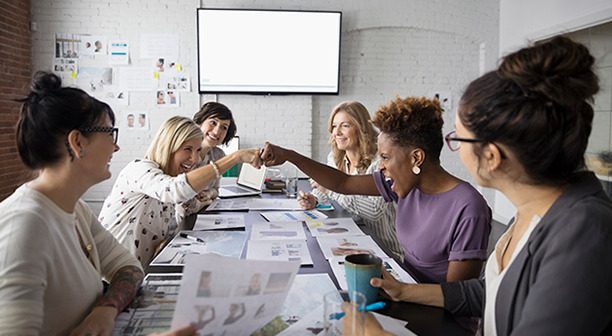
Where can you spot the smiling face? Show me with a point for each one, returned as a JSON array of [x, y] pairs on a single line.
[[345, 132], [214, 130], [396, 163], [186, 157], [99, 152]]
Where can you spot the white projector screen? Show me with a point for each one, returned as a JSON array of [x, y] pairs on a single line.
[[268, 51]]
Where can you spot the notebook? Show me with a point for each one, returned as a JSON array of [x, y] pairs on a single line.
[[249, 183]]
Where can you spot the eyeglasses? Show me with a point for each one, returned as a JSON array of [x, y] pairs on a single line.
[[454, 143], [113, 130]]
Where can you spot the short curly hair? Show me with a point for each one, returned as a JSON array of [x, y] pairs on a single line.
[[413, 122]]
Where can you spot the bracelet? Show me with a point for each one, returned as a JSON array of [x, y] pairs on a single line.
[[216, 168]]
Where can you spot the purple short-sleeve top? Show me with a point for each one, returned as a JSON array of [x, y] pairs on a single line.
[[438, 228]]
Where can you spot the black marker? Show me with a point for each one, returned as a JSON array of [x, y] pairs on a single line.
[[190, 237]]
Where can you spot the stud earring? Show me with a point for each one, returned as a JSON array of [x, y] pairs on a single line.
[[416, 170], [81, 153]]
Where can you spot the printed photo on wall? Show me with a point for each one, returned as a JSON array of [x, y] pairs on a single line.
[[67, 45], [93, 45], [177, 81], [164, 64], [166, 98], [94, 79], [136, 121]]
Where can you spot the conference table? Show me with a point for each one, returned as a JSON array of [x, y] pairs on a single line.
[[422, 320]]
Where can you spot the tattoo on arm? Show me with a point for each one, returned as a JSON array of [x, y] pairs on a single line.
[[123, 288]]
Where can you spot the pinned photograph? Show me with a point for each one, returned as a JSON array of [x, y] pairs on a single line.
[[67, 45], [94, 79], [166, 98], [93, 45]]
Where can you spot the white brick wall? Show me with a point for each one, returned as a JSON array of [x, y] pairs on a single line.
[[389, 48]]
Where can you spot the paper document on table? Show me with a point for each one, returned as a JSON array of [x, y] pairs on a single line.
[[289, 250], [227, 296], [393, 326], [278, 230], [274, 204], [151, 311], [333, 227], [234, 204], [343, 246], [227, 243], [304, 296], [215, 222], [283, 216]]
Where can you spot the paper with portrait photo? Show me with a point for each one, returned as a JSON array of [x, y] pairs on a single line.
[[343, 246], [215, 222], [334, 227], [278, 231], [225, 243], [226, 296], [93, 45], [166, 98], [288, 250]]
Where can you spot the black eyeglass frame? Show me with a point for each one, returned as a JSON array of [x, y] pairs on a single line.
[[101, 129], [449, 137]]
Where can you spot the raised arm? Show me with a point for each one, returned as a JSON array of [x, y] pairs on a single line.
[[325, 175], [200, 178]]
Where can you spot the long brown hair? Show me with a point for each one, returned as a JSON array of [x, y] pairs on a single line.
[[367, 135]]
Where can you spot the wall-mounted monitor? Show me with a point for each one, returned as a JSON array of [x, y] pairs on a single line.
[[268, 51]]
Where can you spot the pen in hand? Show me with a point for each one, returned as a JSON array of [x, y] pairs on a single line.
[[372, 306], [190, 237]]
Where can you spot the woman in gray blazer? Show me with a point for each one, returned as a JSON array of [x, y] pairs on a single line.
[[523, 130]]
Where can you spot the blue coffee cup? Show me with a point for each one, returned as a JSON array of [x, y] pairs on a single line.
[[359, 269]]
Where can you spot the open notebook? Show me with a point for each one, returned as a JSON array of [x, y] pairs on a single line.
[[249, 183]]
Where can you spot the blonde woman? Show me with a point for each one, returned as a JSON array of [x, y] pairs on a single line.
[[353, 151], [140, 210]]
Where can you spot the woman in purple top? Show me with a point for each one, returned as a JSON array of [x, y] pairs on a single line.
[[442, 222]]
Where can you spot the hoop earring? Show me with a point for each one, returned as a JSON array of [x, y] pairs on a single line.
[[416, 170]]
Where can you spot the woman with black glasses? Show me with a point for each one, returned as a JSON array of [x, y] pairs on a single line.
[[53, 250], [442, 222], [523, 130]]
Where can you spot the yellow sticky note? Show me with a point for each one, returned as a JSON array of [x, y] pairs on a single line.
[[156, 75], [73, 74], [179, 67]]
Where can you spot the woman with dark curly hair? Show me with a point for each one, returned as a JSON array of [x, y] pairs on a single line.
[[442, 222], [523, 130]]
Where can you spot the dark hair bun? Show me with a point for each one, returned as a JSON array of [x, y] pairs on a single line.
[[559, 70], [45, 83]]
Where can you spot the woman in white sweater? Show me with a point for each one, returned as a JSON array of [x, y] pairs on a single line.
[[53, 251], [353, 151], [140, 210]]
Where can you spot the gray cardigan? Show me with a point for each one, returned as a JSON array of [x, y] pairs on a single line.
[[561, 281]]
